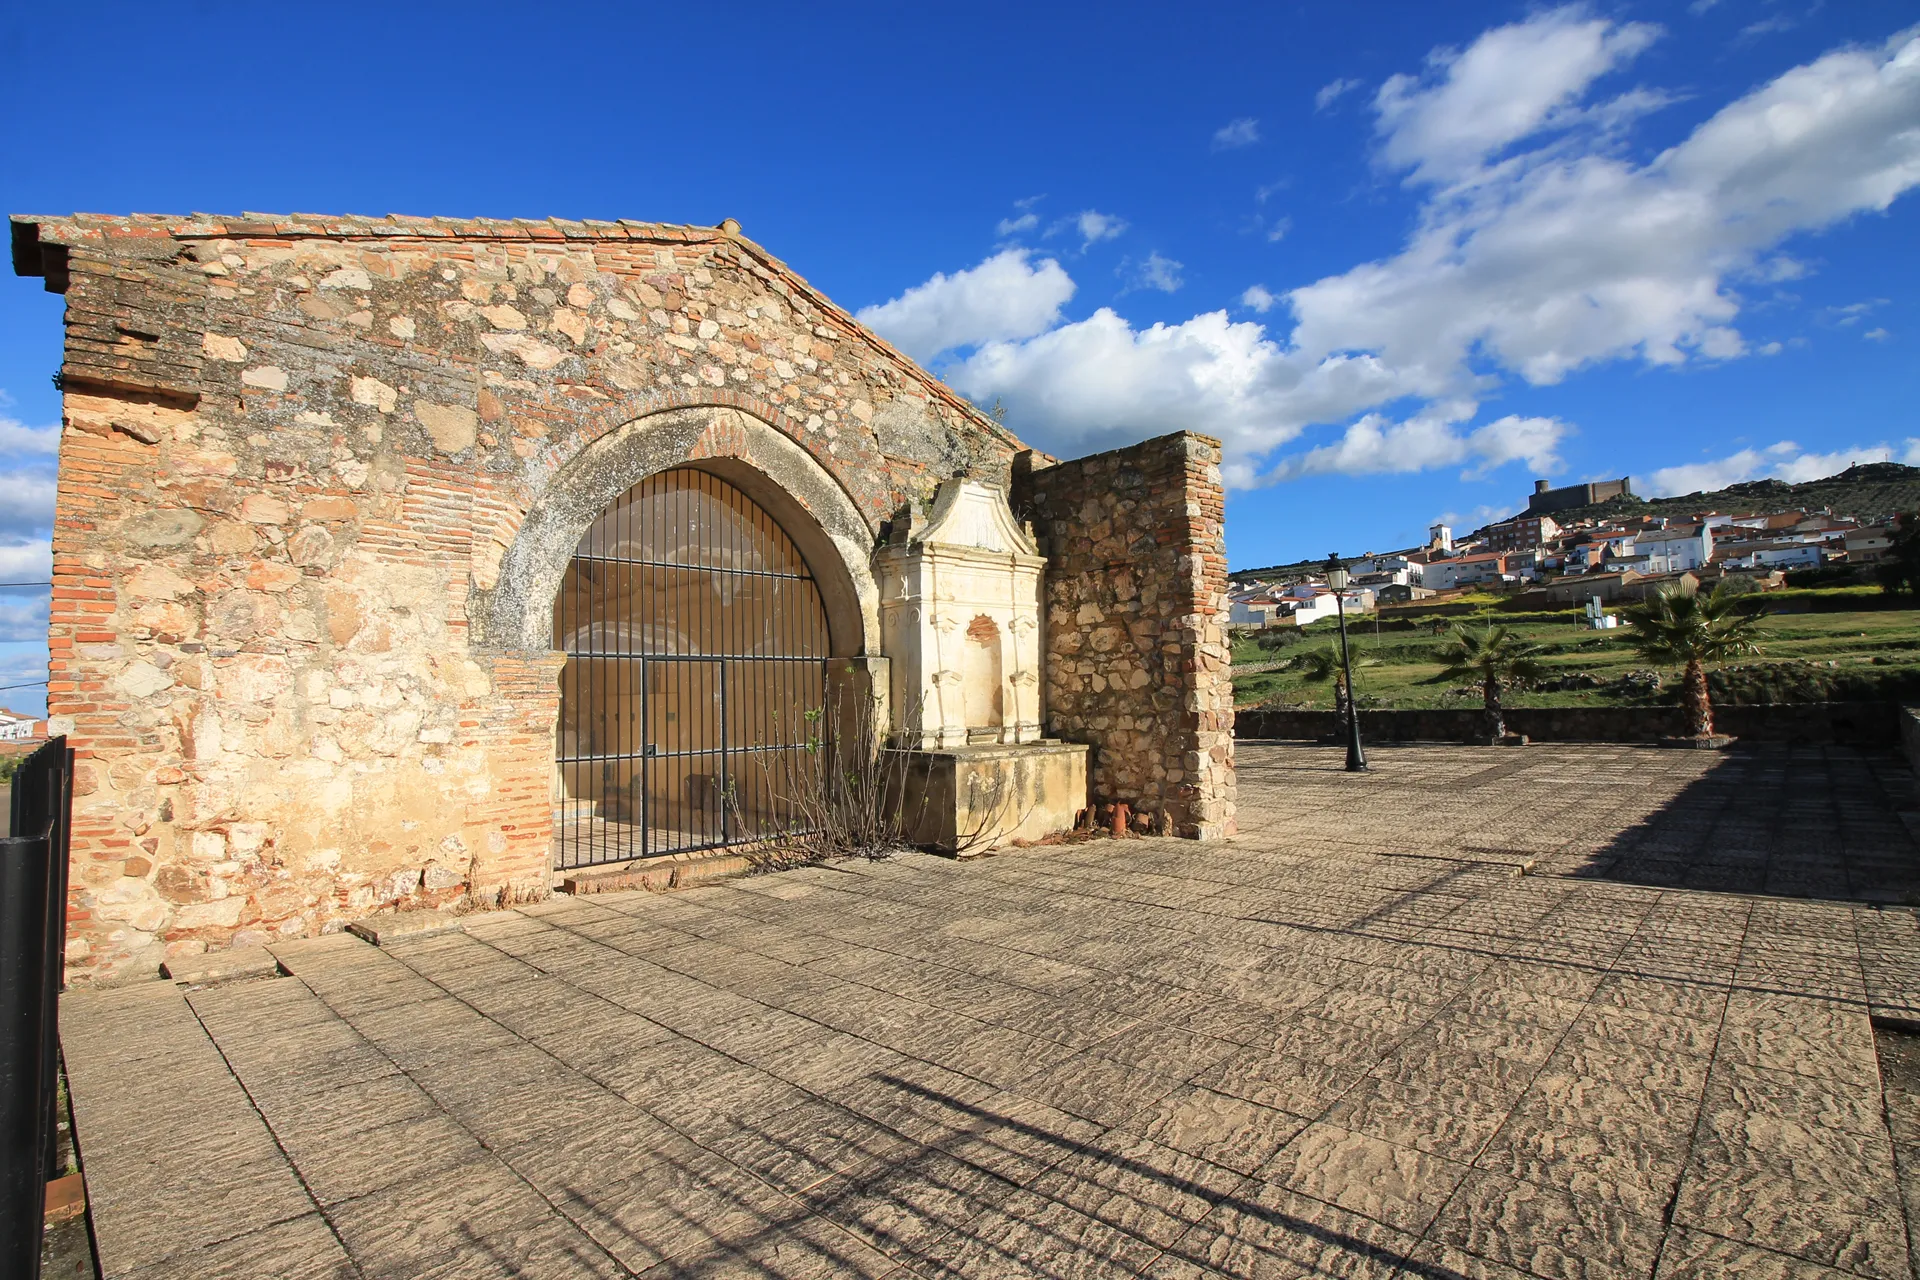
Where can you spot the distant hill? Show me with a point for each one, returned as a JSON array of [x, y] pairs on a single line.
[[1298, 569], [1867, 491], [1864, 491]]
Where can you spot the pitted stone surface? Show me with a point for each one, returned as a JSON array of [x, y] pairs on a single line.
[[1352, 1041], [320, 477], [1137, 656]]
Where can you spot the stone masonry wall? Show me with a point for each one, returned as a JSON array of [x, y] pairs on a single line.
[[297, 450], [1137, 659]]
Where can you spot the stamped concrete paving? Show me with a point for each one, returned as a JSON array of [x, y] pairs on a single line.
[[1353, 1042]]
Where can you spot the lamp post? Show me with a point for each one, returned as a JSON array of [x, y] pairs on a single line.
[[1337, 578]]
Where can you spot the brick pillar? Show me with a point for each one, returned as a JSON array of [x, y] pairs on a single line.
[[1137, 660], [510, 832]]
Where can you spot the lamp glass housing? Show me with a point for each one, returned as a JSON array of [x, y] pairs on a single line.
[[1338, 577]]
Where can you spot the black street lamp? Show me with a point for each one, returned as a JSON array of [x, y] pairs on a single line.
[[1337, 578]]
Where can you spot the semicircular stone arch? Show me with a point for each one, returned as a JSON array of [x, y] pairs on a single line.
[[816, 512]]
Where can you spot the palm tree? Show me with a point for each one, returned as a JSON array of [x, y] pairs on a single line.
[[1497, 659], [1323, 663], [1691, 631]]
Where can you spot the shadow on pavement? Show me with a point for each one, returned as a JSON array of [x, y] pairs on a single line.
[[1791, 822]]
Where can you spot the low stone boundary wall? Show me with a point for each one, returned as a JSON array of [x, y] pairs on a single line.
[[1863, 724]]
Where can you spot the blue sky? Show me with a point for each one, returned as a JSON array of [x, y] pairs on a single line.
[[1401, 257]]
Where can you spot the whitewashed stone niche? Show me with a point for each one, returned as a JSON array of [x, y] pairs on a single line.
[[960, 596]]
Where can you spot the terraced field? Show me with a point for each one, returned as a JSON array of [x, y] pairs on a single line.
[[1839, 655]]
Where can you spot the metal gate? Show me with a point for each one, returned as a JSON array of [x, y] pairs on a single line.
[[692, 701]]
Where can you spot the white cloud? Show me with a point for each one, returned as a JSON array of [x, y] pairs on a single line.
[[1092, 226], [1375, 445], [26, 560], [1157, 272], [1783, 461], [1243, 132], [1014, 226], [1557, 259], [1767, 26], [18, 438], [1852, 313], [1099, 382], [23, 618], [23, 613], [1777, 269], [24, 664], [1257, 298], [1876, 335], [26, 480], [1540, 248], [1508, 85], [1467, 521], [26, 501], [1007, 296], [1332, 92]]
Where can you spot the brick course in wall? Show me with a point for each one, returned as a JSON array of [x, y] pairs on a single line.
[[1137, 658], [297, 452]]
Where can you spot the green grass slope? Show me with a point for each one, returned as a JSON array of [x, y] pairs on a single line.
[[1806, 656]]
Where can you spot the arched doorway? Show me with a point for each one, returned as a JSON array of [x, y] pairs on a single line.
[[692, 698]]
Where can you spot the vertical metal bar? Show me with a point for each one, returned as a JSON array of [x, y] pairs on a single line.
[[629, 616], [25, 864], [578, 722], [582, 729], [563, 640], [649, 550], [686, 624], [597, 638], [711, 540], [646, 760], [593, 702], [59, 847], [569, 737], [726, 822]]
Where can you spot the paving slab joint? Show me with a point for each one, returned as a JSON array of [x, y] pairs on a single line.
[[385, 930], [221, 966], [658, 879]]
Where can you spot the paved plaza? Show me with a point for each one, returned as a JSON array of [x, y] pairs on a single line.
[[1562, 1011]]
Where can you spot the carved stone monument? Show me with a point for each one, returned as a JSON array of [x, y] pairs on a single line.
[[960, 609]]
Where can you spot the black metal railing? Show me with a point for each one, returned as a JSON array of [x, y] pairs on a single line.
[[696, 677], [33, 940]]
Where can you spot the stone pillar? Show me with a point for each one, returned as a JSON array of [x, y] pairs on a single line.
[[1137, 664]]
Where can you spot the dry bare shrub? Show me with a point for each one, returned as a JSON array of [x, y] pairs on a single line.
[[846, 795]]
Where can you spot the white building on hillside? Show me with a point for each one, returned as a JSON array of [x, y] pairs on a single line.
[[15, 727], [1324, 603], [1444, 575], [1675, 549], [1776, 555], [1397, 569]]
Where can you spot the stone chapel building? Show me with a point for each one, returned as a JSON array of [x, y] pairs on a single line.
[[400, 561]]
